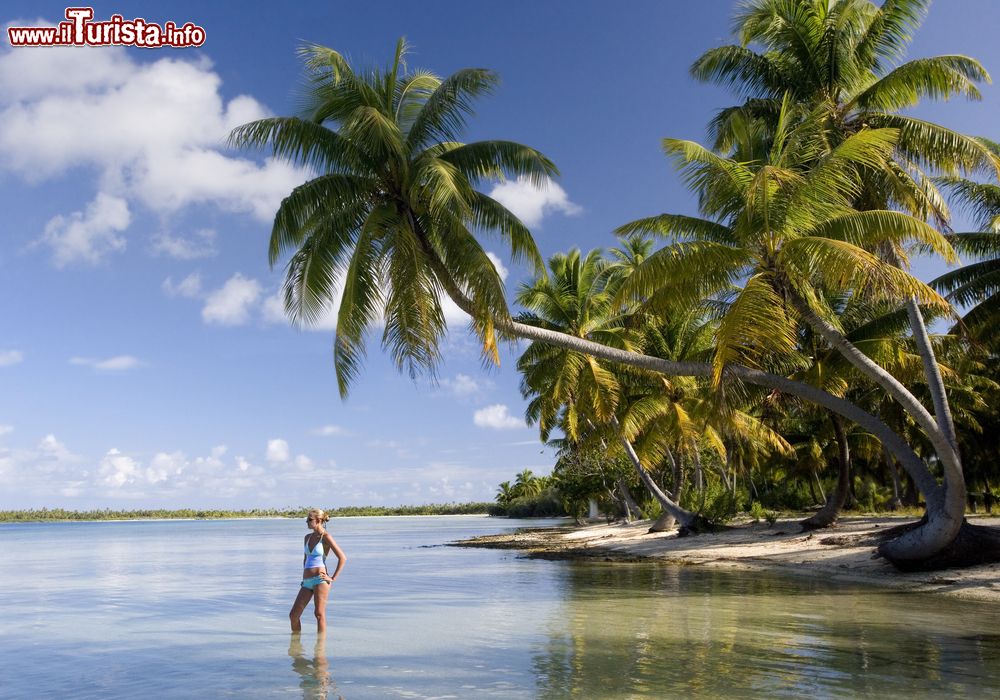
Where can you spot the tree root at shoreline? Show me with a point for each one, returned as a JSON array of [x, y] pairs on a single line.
[[699, 525], [974, 545]]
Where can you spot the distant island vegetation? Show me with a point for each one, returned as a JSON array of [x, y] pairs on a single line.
[[50, 514]]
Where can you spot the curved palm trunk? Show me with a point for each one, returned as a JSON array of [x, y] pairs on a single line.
[[932, 372], [939, 397], [829, 513], [666, 521], [632, 509], [677, 469], [922, 542], [699, 477], [689, 521], [822, 492], [946, 512], [897, 491]]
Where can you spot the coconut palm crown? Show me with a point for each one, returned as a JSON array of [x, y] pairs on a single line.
[[394, 194], [846, 57]]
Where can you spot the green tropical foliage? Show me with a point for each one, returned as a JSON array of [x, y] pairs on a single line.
[[393, 204], [701, 346]]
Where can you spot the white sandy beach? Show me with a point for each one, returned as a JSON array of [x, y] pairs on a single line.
[[844, 552]]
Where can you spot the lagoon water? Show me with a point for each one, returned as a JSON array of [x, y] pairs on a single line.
[[184, 609]]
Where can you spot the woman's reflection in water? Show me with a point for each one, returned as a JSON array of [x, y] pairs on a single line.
[[314, 673]]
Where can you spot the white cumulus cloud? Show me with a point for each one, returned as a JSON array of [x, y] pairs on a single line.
[[231, 304], [89, 235], [531, 204], [10, 357], [462, 385], [329, 430], [277, 451], [497, 417], [201, 244], [118, 470], [189, 287], [152, 129], [119, 363]]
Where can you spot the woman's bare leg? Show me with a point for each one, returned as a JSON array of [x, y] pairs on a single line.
[[319, 603], [301, 601]]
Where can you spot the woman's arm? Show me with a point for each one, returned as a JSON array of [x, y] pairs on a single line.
[[332, 546]]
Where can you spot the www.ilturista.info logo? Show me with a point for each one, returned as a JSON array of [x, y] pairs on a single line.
[[80, 30]]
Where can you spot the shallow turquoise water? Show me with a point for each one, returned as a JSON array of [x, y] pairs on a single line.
[[198, 609]]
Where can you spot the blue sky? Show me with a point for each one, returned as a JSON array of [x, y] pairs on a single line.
[[143, 359]]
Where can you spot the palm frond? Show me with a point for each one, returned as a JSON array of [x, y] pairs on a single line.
[[499, 159], [868, 229], [841, 265], [336, 200], [937, 77], [757, 323], [443, 115], [936, 147]]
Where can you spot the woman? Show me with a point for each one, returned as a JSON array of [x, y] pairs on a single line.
[[315, 579]]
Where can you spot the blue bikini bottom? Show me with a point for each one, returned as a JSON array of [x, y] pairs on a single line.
[[311, 583]]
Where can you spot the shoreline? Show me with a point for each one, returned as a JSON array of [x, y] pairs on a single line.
[[845, 552], [237, 517]]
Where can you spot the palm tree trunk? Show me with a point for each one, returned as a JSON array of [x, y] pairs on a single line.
[[932, 372], [946, 510], [699, 477], [725, 477], [942, 411], [667, 521], [822, 493], [890, 463], [630, 505], [877, 374], [677, 471], [829, 513], [687, 519], [812, 490]]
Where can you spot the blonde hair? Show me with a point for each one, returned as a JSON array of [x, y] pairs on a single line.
[[319, 514]]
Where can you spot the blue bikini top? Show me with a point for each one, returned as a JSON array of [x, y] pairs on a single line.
[[314, 557]]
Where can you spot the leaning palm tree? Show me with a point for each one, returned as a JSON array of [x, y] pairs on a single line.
[[390, 215], [844, 58], [394, 194], [787, 237]]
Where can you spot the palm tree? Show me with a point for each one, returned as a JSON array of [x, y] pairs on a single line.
[[505, 493], [395, 191], [977, 284], [572, 390], [527, 485], [389, 216], [844, 59], [785, 236]]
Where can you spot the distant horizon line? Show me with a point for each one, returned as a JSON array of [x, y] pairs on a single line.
[[102, 514]]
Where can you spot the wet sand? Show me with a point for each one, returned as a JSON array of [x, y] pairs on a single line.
[[845, 552]]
